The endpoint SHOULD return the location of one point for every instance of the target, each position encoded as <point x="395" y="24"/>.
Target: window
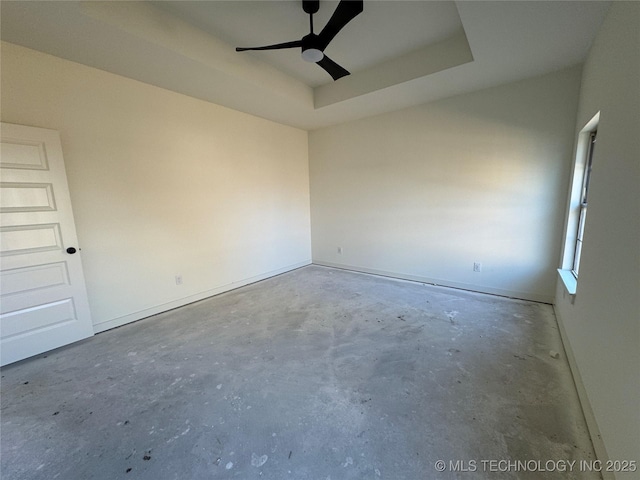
<point x="584" y="193"/>
<point x="577" y="210"/>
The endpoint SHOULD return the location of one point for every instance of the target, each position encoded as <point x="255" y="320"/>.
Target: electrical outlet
<point x="339" y="250"/>
<point x="178" y="279"/>
<point x="477" y="267"/>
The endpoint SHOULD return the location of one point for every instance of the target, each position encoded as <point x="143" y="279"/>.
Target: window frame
<point x="584" y="194"/>
<point x="576" y="212"/>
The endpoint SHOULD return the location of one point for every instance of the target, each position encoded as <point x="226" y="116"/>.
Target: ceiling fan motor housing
<point x="310" y="48"/>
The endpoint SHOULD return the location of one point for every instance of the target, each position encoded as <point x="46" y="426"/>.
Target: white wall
<point x="164" y="184"/>
<point x="602" y="326"/>
<point x="424" y="193"/>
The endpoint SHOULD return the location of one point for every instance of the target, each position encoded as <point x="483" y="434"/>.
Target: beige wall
<point x="424" y="193"/>
<point x="163" y="184"/>
<point x="602" y="325"/>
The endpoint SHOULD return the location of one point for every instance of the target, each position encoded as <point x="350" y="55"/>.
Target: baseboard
<point x="590" y="419"/>
<point x="443" y="283"/>
<point x="147" y="312"/>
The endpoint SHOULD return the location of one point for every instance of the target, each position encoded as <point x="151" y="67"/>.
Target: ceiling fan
<point x="313" y="45"/>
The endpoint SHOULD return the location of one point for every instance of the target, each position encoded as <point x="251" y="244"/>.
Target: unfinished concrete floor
<point x="315" y="374"/>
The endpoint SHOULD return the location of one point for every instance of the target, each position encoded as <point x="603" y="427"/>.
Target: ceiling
<point x="400" y="53"/>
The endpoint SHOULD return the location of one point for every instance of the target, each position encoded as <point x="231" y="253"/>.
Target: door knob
<point x="71" y="250"/>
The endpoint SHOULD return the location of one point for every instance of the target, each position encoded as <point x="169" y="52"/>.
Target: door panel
<point x="30" y="279"/>
<point x="22" y="153"/>
<point x="27" y="197"/>
<point x="25" y="239"/>
<point x="37" y="318"/>
<point x="42" y="292"/>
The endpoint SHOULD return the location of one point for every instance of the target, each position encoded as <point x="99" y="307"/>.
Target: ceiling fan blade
<point x="277" y="46"/>
<point x="332" y="68"/>
<point x="346" y="11"/>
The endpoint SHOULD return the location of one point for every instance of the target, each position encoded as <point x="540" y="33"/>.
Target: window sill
<point x="569" y="280"/>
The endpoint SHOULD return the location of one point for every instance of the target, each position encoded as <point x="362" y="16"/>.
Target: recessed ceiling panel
<point x="384" y="30"/>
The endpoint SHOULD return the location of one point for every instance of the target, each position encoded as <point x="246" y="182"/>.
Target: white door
<point x="43" y="300"/>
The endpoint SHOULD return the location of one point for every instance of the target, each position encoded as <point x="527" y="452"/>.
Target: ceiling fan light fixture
<point x="312" y="55"/>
